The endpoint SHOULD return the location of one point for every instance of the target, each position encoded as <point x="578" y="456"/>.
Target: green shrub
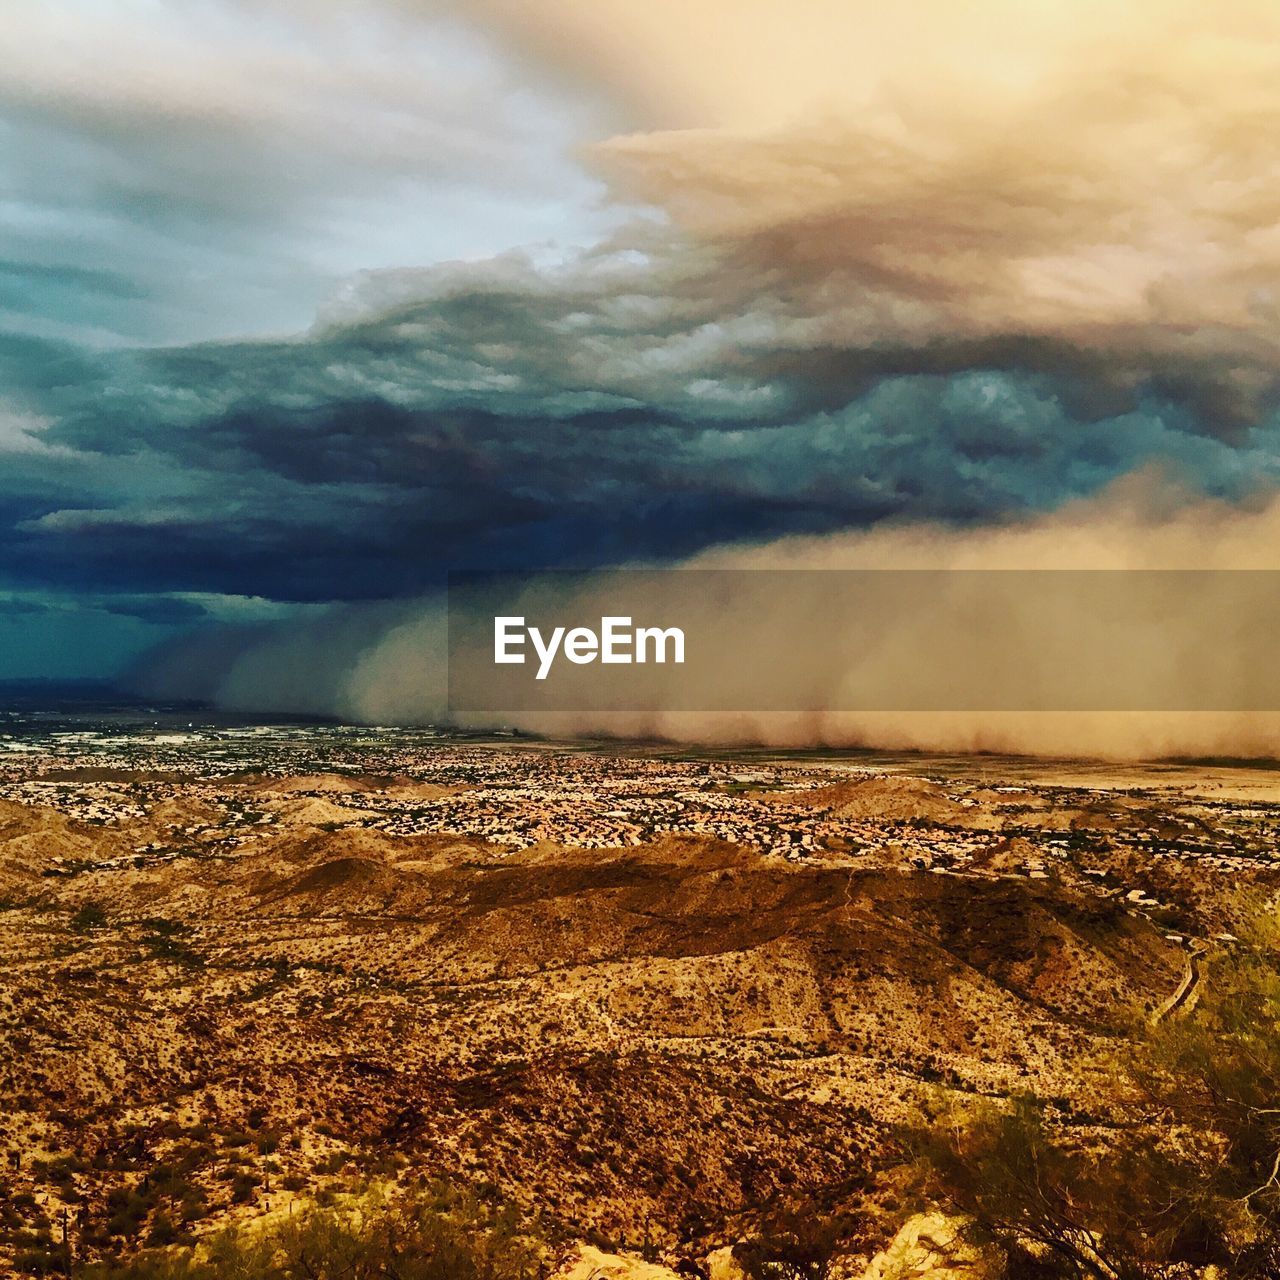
<point x="91" y="916"/>
<point x="433" y="1233"/>
<point x="796" y="1242"/>
<point x="1189" y="1177"/>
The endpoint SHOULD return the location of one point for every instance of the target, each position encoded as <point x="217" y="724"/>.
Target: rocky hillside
<point x="647" y="1043"/>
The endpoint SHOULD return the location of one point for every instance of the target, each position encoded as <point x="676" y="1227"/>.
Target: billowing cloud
<point x="1083" y="188"/>
<point x="626" y="404"/>
<point x="504" y="418"/>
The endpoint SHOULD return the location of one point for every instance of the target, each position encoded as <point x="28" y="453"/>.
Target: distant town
<point x="522" y="793"/>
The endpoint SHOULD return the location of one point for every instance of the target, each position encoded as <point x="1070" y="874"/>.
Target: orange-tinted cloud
<point x="1081" y="186"/>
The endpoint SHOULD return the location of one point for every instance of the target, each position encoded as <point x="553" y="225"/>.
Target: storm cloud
<point x="503" y="419"/>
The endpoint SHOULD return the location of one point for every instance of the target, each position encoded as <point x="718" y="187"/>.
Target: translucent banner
<point x="864" y="640"/>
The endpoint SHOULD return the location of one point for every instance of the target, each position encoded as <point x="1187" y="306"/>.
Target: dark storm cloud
<point x="163" y="611"/>
<point x="637" y="402"/>
<point x="19" y="608"/>
<point x="499" y="416"/>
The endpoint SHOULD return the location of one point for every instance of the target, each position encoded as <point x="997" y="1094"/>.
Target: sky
<point x="303" y="304"/>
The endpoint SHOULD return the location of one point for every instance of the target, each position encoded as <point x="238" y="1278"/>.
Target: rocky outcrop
<point x="929" y="1246"/>
<point x="590" y="1263"/>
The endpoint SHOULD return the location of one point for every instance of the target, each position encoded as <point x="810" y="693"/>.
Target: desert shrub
<point x="61" y="1171"/>
<point x="163" y="1231"/>
<point x="41" y="1260"/>
<point x="1054" y="1204"/>
<point x="90" y="916"/>
<point x="163" y="940"/>
<point x="435" y="1233"/>
<point x="127" y="1209"/>
<point x="243" y="1185"/>
<point x="1190" y="1177"/>
<point x="796" y="1242"/>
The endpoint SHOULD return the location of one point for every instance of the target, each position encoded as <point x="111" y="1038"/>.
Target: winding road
<point x="1185" y="995"/>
